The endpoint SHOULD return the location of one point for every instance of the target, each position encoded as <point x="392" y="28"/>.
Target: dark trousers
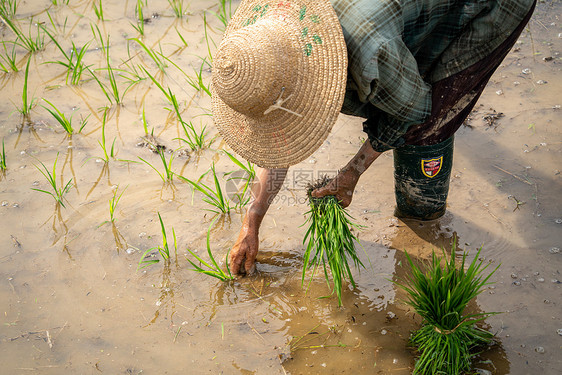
<point x="422" y="167"/>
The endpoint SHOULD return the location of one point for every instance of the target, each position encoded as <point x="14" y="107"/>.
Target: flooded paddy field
<point x="72" y="299"/>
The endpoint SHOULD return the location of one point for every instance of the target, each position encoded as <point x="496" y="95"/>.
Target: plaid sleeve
<point x="384" y="131"/>
<point x="383" y="70"/>
<point x="399" y="96"/>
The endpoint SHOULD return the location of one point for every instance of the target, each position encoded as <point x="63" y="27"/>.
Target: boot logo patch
<point x="431" y="167"/>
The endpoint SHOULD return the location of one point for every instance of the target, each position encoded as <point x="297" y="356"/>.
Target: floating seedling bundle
<point x="447" y="340"/>
<point x="329" y="240"/>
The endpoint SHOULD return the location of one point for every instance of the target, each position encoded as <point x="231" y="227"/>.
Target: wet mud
<point x="73" y="301"/>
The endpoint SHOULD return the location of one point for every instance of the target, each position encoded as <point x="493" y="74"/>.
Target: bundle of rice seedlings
<point x="448" y="340"/>
<point x="329" y="240"/>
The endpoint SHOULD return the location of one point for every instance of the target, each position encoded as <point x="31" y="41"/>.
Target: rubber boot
<point x="421" y="180"/>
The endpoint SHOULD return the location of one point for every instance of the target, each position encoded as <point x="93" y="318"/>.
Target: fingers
<point x="235" y="261"/>
<point x="343" y="196"/>
<point x="323" y="191"/>
<point x="243" y="265"/>
<point x="243" y="255"/>
<point x="344" y="202"/>
<point x="250" y="266"/>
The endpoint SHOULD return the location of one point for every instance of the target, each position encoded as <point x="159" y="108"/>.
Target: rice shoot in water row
<point x="329" y="240"/>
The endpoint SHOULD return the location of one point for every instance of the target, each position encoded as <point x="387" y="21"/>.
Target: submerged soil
<point x="74" y="302"/>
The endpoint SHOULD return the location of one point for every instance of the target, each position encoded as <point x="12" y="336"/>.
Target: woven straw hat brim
<point x="318" y="79"/>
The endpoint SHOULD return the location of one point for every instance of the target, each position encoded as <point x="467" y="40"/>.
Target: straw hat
<point x="279" y="79"/>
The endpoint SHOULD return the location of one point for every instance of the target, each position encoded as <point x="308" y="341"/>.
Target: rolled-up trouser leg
<point x="421" y="179"/>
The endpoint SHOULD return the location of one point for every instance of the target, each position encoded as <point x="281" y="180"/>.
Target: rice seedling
<point x="78" y="67"/>
<point x="215" y="197"/>
<point x="61" y="2"/>
<point x="3" y="165"/>
<point x="132" y="74"/>
<point x="68" y="62"/>
<point x="198" y="83"/>
<point x="223" y="14"/>
<point x="113" y="83"/>
<point x="30" y="43"/>
<point x="164" y="250"/>
<point x="329" y="236"/>
<point x="174" y="102"/>
<point x="175" y="65"/>
<point x="212" y="269"/>
<point x="102" y="143"/>
<point x="54" y="24"/>
<point x="61" y="118"/>
<point x="8" y="63"/>
<point x="8" y="8"/>
<point x="58" y="193"/>
<point x="154" y="56"/>
<point x="97" y="36"/>
<point x="112" y="92"/>
<point x="113" y="203"/>
<point x="181" y="38"/>
<point x="74" y="68"/>
<point x="83" y="122"/>
<point x="144" y="123"/>
<point x="103" y="88"/>
<point x="210" y="55"/>
<point x="447" y="339"/>
<point x="177" y="7"/>
<point x="247" y="176"/>
<point x="140" y="18"/>
<point x="168" y="175"/>
<point x="27" y="103"/>
<point x="193" y="138"/>
<point x="98" y="10"/>
<point x="168" y="94"/>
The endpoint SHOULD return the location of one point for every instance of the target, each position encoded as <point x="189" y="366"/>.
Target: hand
<point x="242" y="257"/>
<point x="342" y="186"/>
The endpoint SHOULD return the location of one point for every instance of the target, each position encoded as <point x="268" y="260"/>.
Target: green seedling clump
<point x="27" y="103"/>
<point x="215" y="197"/>
<point x="329" y="240"/>
<point x="164" y="250"/>
<point x="58" y="192"/>
<point x="447" y="340"/>
<point x="211" y="269"/>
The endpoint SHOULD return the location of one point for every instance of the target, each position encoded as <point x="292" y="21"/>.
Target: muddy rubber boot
<point x="421" y="180"/>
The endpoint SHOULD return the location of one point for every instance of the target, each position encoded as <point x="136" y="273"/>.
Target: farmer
<point x="413" y="69"/>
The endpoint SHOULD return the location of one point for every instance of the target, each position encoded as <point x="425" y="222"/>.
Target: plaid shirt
<point x="397" y="49"/>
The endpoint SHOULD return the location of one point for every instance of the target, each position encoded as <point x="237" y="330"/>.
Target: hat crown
<point x="251" y="67"/>
<point x="279" y="79"/>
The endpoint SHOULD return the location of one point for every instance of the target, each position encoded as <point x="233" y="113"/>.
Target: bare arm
<point x="244" y="252"/>
<point x="343" y="185"/>
<point x="269" y="181"/>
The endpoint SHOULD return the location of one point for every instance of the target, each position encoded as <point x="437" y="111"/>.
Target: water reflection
<point x="104" y="171"/>
<point x="120" y="241"/>
<point x="28" y="125"/>
<point x="58" y="224"/>
<point x="166" y="302"/>
<point x="68" y="162"/>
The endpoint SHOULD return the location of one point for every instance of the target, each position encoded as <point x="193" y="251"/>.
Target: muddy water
<point x="73" y="301"/>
